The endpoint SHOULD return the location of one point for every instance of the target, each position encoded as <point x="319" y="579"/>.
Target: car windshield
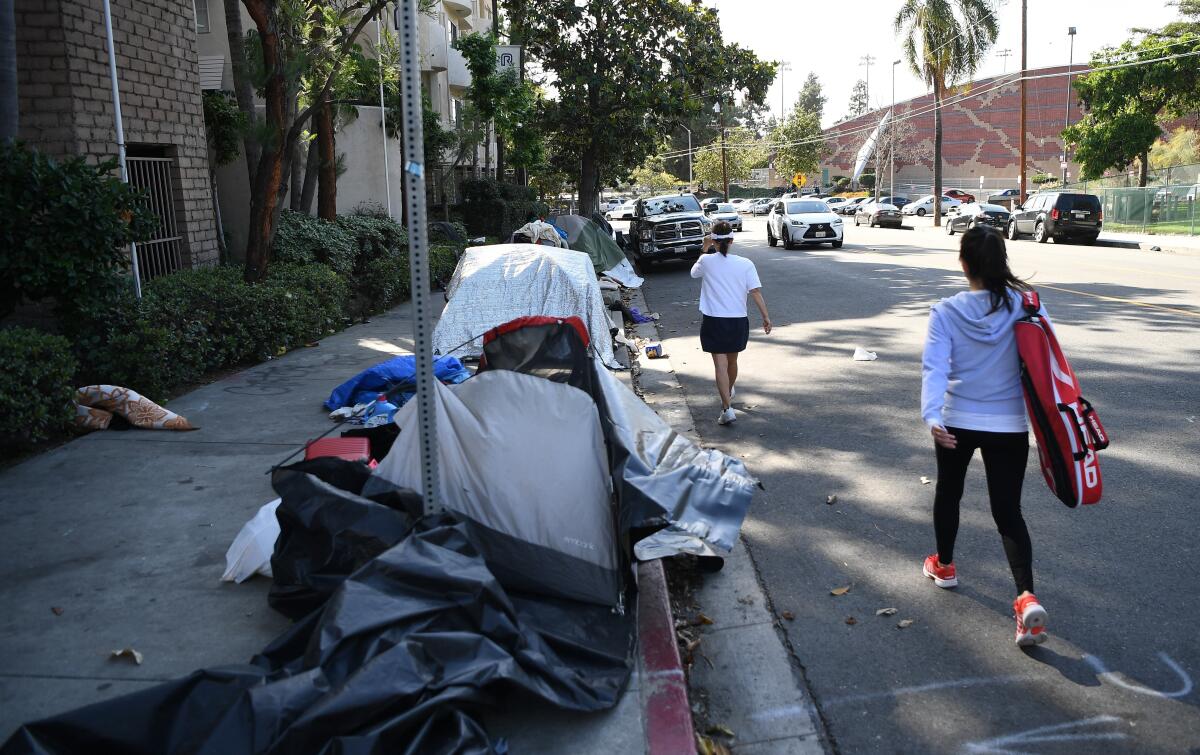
<point x="725" y="208"/>
<point x="1078" y="202"/>
<point x="883" y="206"/>
<point x="799" y="208"/>
<point x="663" y="205"/>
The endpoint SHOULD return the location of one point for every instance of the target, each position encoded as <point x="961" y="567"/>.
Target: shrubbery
<point x="497" y="209"/>
<point x="35" y="384"/>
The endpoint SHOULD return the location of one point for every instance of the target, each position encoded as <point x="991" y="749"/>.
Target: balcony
<point x="457" y="74"/>
<point x="464" y="7"/>
<point x="434" y="48"/>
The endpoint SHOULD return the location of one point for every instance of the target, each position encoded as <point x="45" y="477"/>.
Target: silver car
<point x="727" y="212"/>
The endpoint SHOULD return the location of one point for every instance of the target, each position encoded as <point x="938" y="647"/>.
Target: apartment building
<point x="372" y="162"/>
<point x="66" y="109"/>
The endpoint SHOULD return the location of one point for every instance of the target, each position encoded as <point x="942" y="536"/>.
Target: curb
<point x="668" y="714"/>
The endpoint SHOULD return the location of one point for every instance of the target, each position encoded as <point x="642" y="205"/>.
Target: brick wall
<point x="66" y="101"/>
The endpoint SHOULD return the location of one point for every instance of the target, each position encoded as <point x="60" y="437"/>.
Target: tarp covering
<point x="498" y="283"/>
<point x="396" y="661"/>
<point x="364" y="387"/>
<point x="523" y="460"/>
<point x="585" y="236"/>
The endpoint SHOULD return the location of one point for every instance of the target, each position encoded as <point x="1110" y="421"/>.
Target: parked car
<point x="738" y="202"/>
<point x="878" y="214"/>
<point x="1058" y="215"/>
<point x="624" y="212"/>
<point x="763" y="206"/>
<point x="974" y="214"/>
<point x="960" y="195"/>
<point x="728" y="212"/>
<point x="1010" y="194"/>
<point x="849" y="208"/>
<point x="611" y="203"/>
<point x="898" y="201"/>
<point x="803" y="221"/>
<point x="836" y="202"/>
<point x="924" y="205"/>
<point x="665" y="227"/>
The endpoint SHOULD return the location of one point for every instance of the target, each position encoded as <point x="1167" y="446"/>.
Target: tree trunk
<point x="937" y="155"/>
<point x="589" y="179"/>
<point x="268" y="181"/>
<point x="9" y="114"/>
<point x="327" y="185"/>
<point x="296" y="182"/>
<point x="312" y="167"/>
<point x="243" y="88"/>
<point x="1144" y="169"/>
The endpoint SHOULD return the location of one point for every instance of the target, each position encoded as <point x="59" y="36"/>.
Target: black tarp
<point x="398" y="660"/>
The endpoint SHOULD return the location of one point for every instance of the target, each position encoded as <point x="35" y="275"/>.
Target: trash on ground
<point x="862" y="355"/>
<point x="886" y="612"/>
<point x="392" y="375"/>
<point x="925" y="480"/>
<point x="56" y="610"/>
<point x="250" y="552"/>
<point x="840" y="590"/>
<point x="788" y="615"/>
<point x="654" y="351"/>
<point x="851" y="620"/>
<point x="905" y="623"/>
<point x="830" y="500"/>
<point x="720" y="730"/>
<point x="95" y="406"/>
<point x="706" y="746"/>
<point x="671" y="541"/>
<point x="639" y="318"/>
<point x="129" y="653"/>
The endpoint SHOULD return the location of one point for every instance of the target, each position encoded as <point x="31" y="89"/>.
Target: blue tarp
<point x="364" y="387"/>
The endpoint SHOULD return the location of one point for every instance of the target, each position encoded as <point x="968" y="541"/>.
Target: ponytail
<point x="723" y="228"/>
<point x="982" y="250"/>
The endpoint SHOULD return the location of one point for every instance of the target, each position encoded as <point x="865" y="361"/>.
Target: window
<point x="453" y="32"/>
<point x="201" y="7"/>
<point x="456" y="114"/>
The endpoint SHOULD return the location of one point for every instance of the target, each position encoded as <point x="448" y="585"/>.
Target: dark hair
<point x="982" y="249"/>
<point x="723" y="227"/>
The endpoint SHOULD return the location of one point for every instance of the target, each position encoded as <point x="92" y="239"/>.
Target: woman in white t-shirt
<point x="724" y="329"/>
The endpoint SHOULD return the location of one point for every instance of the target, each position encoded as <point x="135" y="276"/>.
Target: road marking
<point x="1054" y="733"/>
<point x="1135" y="302"/>
<point x="1103" y="672"/>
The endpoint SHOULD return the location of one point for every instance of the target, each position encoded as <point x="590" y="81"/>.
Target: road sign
<point x="800" y="180"/>
<point x="508" y="58"/>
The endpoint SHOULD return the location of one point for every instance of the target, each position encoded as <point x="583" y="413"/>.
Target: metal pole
<point x="724" y="157"/>
<point x="116" y="96"/>
<point x="387" y="180"/>
<point x="685" y="128"/>
<point x="892" y="149"/>
<point x="418" y="250"/>
<point x="1024" y="66"/>
<point x="1067" y="117"/>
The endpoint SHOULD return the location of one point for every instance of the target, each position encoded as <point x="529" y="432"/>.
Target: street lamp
<point x="1067" y="117"/>
<point x="782" y="108"/>
<point x="892" y="149"/>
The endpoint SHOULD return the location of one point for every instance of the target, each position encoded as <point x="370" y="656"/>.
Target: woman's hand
<point x="767" y="325"/>
<point x="943" y="438"/>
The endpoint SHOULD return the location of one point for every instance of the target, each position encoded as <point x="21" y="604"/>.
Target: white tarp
<point x="868" y="147"/>
<point x="495" y="284"/>
<point x="523" y="459"/>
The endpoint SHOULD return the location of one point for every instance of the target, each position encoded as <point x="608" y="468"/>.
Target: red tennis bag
<point x="1067" y="428"/>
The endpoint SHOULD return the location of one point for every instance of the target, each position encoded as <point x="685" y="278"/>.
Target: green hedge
<point x="35" y="385"/>
<point x="497" y="209"/>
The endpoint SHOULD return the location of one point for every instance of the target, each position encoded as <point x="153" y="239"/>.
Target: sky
<point x="829" y="38"/>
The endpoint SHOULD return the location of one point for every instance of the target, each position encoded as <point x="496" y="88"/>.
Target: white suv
<point x="803" y="221"/>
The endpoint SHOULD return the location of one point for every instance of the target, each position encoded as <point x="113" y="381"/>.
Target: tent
<point x="495" y="284"/>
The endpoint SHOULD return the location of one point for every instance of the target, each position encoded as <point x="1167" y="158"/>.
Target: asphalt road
<point x="1119" y="579"/>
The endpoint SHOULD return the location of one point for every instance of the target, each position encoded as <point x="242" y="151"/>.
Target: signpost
<point x="508" y="58"/>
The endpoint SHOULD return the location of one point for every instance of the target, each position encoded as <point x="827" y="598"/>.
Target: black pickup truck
<point x="667" y="227"/>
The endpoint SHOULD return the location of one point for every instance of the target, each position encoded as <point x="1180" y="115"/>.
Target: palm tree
<point x="944" y="42"/>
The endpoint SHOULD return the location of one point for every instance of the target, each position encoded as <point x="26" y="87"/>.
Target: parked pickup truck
<point x="667" y="227"/>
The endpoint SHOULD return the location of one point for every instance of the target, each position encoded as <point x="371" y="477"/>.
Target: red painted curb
<point x="668" y="715"/>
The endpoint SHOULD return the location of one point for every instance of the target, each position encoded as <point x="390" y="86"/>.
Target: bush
<point x="497" y="209"/>
<point x="36" y="369"/>
<point x="384" y="282"/>
<point x="304" y="303"/>
<point x="303" y="240"/>
<point x="374" y="237"/>
<point x="64" y="227"/>
<point x="442" y="261"/>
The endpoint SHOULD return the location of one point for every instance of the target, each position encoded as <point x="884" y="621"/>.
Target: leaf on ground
<point x="720" y="730"/>
<point x="56" y="610"/>
<point x="905" y="623"/>
<point x="832" y="499"/>
<point x="702" y="619"/>
<point x="840" y="590"/>
<point x="925" y="480"/>
<point x="886" y="612"/>
<point x="314" y="344"/>
<point x="788" y="615"/>
<point x="130" y="653"/>
<point x="851" y="620"/>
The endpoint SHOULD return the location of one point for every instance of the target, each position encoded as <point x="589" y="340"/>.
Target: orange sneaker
<point x="942" y="576"/>
<point x="1031" y="621"/>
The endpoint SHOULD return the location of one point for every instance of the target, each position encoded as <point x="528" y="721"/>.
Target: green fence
<point x="1167" y="204"/>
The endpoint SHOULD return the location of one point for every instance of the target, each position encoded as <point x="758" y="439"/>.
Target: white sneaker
<point x="727" y="416"/>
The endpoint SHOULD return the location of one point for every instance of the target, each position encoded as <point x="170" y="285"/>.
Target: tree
<point x="625" y="74"/>
<point x="799" y="144"/>
<point x="811" y="99"/>
<point x="743" y="153"/>
<point x="1182" y="147"/>
<point x="858" y="100"/>
<point x="944" y="42"/>
<point x="1123" y="106"/>
<point x="503" y="97"/>
<point x="653" y="175"/>
<point x="899" y="144"/>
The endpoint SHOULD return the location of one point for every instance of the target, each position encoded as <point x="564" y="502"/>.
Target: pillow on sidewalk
<point x="95" y="405"/>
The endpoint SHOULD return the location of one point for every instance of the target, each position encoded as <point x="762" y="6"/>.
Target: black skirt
<point x="724" y="335"/>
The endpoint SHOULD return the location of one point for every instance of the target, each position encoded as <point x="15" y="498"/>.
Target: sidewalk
<point x="118" y="539"/>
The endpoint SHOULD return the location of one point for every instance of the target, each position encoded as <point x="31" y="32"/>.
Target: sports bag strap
<point x="1031" y="301"/>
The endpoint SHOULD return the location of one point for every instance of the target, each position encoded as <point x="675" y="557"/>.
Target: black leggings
<point x="1004" y="459"/>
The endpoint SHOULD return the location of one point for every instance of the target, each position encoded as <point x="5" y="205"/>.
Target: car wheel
<point x="1012" y="230"/>
<point x="771" y="240"/>
<point x="787" y="240"/>
<point x="1089" y="240"/>
<point x="1039" y="233"/>
<point x="837" y="244"/>
<point x="921" y="212"/>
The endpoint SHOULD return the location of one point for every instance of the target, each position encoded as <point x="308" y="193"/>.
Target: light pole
<point x="1067" y="117"/>
<point x="685" y="128"/>
<point x="867" y="61"/>
<point x="782" y="108"/>
<point x="720" y="108"/>
<point x="892" y="128"/>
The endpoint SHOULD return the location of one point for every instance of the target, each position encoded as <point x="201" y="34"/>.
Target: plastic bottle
<point x="381" y="413"/>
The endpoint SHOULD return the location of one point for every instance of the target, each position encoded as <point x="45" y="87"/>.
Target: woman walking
<point x="971" y="398"/>
<point x="726" y="279"/>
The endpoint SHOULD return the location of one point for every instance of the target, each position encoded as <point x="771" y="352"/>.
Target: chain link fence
<point x="1167" y="204"/>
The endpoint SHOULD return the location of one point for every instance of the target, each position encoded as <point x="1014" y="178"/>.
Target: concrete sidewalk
<point x="118" y="540"/>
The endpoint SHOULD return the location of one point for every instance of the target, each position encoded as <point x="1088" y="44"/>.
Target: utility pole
<point x="867" y="60"/>
<point x="500" y="168"/>
<point x="1004" y="55"/>
<point x="685" y="128"/>
<point x="1024" y="64"/>
<point x="1067" y="117"/>
<point x="782" y="107"/>
<point x="724" y="156"/>
<point x="892" y="129"/>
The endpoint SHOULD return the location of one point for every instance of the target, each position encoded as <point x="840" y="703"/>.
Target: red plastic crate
<point x="350" y="449"/>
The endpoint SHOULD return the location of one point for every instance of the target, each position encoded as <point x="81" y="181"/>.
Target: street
<point x="1117" y="578"/>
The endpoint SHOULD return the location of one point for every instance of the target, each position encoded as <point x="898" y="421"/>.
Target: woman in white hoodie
<point x="971" y="397"/>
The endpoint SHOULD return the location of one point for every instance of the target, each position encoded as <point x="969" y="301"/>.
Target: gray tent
<point x="583" y="235"/>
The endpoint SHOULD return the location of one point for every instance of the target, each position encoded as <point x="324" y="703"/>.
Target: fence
<point x="159" y="254"/>
<point x="1167" y="204"/>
